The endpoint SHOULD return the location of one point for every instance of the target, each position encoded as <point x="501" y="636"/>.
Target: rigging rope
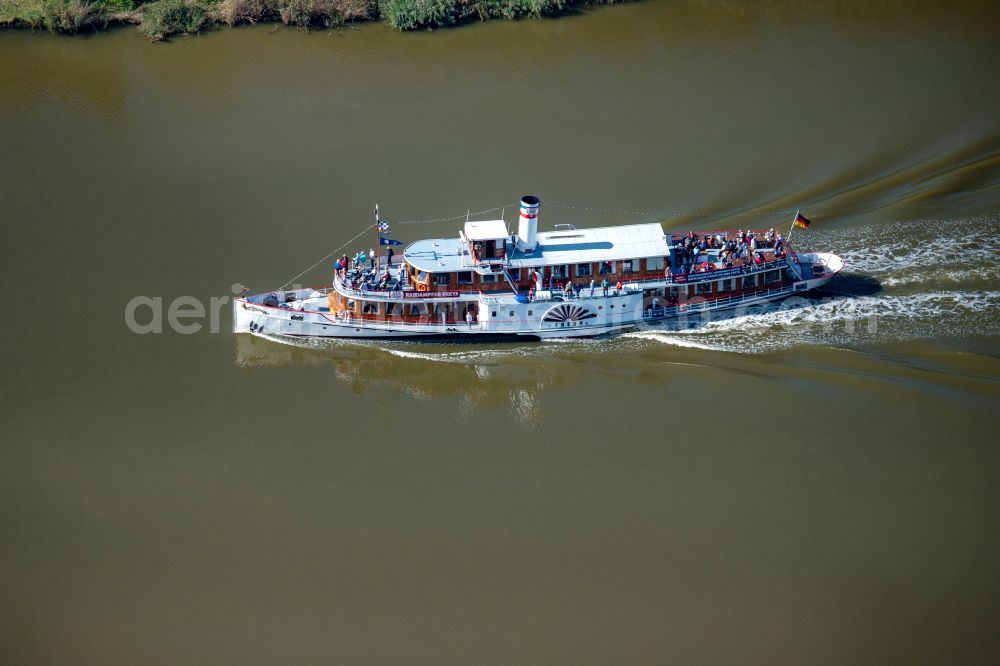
<point x="448" y="219"/>
<point x="361" y="233"/>
<point x="661" y="213"/>
<point x="372" y="226"/>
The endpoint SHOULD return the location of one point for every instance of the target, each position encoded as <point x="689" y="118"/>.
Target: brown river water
<point x="813" y="483"/>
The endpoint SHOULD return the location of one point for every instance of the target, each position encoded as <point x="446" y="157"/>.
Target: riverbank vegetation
<point x="158" y="19"/>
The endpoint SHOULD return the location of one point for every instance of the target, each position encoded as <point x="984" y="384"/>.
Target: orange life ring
<point x="421" y="286"/>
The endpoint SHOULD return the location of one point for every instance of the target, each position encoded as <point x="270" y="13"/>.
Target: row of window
<point x="411" y="309"/>
<point x="747" y="282"/>
<point x="461" y="277"/>
<point x="559" y="272"/>
<point x="605" y="267"/>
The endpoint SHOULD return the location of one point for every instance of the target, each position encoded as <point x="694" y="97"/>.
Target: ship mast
<point x="378" y="241"/>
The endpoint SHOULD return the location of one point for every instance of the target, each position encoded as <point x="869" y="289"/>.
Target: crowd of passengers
<point x="361" y="272"/>
<point x="692" y="251"/>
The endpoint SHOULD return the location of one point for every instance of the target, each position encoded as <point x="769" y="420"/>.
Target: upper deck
<point x="555" y="248"/>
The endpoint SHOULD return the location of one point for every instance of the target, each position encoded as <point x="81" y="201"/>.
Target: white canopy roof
<point x="486" y="230"/>
<point x="574" y="246"/>
<point x="590" y="245"/>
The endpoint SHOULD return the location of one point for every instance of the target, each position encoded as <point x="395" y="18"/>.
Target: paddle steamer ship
<point x="487" y="283"/>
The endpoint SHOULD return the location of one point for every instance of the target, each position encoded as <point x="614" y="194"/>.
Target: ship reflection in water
<point x="515" y="376"/>
<point x="488" y="377"/>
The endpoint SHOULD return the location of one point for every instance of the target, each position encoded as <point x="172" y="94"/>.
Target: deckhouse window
<point x="749" y="282"/>
<point x="488" y="278"/>
<point x="628" y="266"/>
<point x="464" y="277"/>
<point x="704" y="287"/>
<point x="654" y="263"/>
<point x="583" y="270"/>
<point x="560" y="271"/>
<point x="771" y="277"/>
<point x="725" y="286"/>
<point x="441" y="279"/>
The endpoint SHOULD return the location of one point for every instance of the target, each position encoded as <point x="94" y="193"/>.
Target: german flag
<point x="802" y="221"/>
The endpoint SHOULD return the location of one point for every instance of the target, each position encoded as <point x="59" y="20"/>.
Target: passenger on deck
<point x="371" y="257"/>
<point x="618" y="288"/>
<point x="591" y="287"/>
<point x="604" y="285"/>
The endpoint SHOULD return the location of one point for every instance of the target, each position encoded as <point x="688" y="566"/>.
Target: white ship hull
<point x="504" y="316"/>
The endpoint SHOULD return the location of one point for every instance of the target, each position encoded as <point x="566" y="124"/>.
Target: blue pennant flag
<point x="382" y="240"/>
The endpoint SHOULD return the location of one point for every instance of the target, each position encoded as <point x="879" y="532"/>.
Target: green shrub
<point x="511" y="9"/>
<point x="66" y="15"/>
<point x="410" y="14"/>
<point x="170" y="17"/>
<point x="115" y="6"/>
<point x="303" y="13"/>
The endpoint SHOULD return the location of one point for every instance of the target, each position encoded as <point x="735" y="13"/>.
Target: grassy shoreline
<point x="159" y="19"/>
